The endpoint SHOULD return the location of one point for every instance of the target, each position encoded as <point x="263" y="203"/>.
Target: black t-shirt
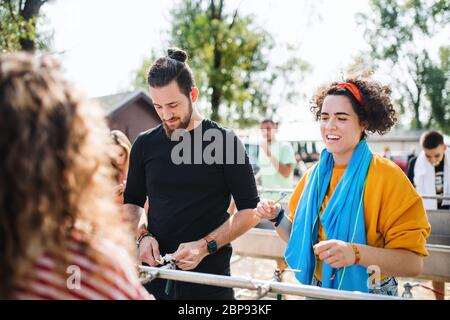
<point x="439" y="183"/>
<point x="189" y="200"/>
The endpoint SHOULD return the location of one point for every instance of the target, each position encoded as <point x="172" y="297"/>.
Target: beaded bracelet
<point x="357" y="253"/>
<point x="142" y="236"/>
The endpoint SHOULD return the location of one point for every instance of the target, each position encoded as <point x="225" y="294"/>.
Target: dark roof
<point x="112" y="103"/>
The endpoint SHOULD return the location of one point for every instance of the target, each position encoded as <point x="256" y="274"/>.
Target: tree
<point x="400" y="35"/>
<point x="139" y="76"/>
<point x="229" y="54"/>
<point x="437" y="88"/>
<point x="18" y="24"/>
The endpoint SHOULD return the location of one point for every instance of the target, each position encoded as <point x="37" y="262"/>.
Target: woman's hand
<point x="336" y="253"/>
<point x="266" y="209"/>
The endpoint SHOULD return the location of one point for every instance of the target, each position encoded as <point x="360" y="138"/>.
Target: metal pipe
<point x="148" y="276"/>
<point x="290" y="190"/>
<point x="261" y="285"/>
<point x="287" y="190"/>
<point x="429" y="196"/>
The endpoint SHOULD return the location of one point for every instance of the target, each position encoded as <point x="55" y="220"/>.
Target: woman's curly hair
<point x="376" y="108"/>
<point x="55" y="173"/>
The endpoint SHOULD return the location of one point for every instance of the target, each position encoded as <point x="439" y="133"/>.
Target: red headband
<point x="353" y="89"/>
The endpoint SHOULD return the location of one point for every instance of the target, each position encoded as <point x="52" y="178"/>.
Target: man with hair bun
<point x="188" y="187"/>
<point x="354" y="212"/>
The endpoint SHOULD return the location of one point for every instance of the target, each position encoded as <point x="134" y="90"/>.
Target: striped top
<point x="85" y="279"/>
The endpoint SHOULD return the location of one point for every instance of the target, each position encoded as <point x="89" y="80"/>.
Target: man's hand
<point x="190" y="254"/>
<point x="149" y="251"/>
<point x="336" y="253"/>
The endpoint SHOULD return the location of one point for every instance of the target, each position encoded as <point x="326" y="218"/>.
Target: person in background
<point x="300" y="168"/>
<point x="430" y="174"/>
<point x="353" y="210"/>
<point x="411" y="154"/>
<point x="430" y="170"/>
<point x="120" y="154"/>
<point x="120" y="158"/>
<point x="60" y="230"/>
<point x="387" y="153"/>
<point x="276" y="160"/>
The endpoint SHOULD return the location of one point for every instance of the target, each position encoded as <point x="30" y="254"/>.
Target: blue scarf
<point x="342" y="219"/>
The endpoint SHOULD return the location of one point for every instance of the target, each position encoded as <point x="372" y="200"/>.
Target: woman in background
<point x="121" y="147"/>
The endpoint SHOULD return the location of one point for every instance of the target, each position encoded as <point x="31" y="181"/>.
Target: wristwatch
<point x="278" y="218"/>
<point x="211" y="244"/>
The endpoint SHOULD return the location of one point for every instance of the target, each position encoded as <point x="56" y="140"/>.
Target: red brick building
<point x="131" y="112"/>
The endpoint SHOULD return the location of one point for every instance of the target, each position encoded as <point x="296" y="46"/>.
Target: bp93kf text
<point x="245" y="309"/>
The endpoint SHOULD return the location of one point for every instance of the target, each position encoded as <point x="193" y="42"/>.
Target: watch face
<point x="212" y="246"/>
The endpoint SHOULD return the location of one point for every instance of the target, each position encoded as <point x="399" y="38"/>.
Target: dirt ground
<point x="263" y="269"/>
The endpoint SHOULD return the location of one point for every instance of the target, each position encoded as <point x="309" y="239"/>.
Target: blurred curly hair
<point x="376" y="109"/>
<point x="55" y="174"/>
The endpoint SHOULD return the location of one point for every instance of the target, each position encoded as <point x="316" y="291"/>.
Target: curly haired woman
<point x="354" y="212"/>
<point x="59" y="227"/>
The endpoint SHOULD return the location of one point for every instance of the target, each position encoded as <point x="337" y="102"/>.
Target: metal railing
<point x="261" y="286"/>
<point x="290" y="190"/>
<point x="428" y="196"/>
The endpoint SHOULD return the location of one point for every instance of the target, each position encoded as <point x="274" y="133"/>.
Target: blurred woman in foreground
<point x="61" y="236"/>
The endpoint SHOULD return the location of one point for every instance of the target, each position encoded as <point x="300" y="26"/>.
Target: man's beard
<point x="184" y="122"/>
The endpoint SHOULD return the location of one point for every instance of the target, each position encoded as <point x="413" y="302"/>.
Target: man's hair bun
<point x="177" y="54"/>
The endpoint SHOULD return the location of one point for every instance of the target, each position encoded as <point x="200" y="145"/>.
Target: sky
<point x="101" y="42"/>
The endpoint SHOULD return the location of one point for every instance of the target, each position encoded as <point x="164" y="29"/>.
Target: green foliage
<point x="15" y="28"/>
<point x="230" y="57"/>
<point x="399" y="33"/>
<point x="229" y="54"/>
<point x="139" y="76"/>
<point x="437" y="88"/>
